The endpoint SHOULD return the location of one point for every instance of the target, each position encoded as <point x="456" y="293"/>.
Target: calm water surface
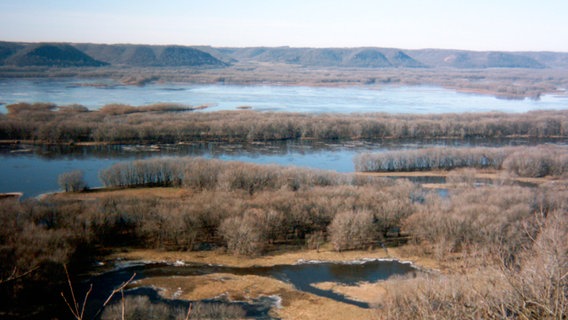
<point x="34" y="170"/>
<point x="417" y="99"/>
<point x="302" y="276"/>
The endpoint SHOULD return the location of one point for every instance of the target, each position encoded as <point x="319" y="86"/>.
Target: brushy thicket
<point x="534" y="286"/>
<point x="288" y="203"/>
<point x="48" y="123"/>
<point x="140" y="307"/>
<point x="516" y="236"/>
<point x="229" y="207"/>
<point x="205" y="174"/>
<point x="538" y="161"/>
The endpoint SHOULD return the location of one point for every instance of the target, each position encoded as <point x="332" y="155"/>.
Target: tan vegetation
<point x="535" y="287"/>
<point x="371" y="293"/>
<point x="72" y="181"/>
<point x="48" y="123"/>
<point x="534" y="162"/>
<point x="140" y="307"/>
<point x="294" y="303"/>
<point x="505" y="83"/>
<point x="515" y="236"/>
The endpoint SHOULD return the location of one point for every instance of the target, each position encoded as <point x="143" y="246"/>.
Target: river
<point x="389" y="99"/>
<point x="33" y="170"/>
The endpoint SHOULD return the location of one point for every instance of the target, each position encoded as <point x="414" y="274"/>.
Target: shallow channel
<point x="302" y="276"/>
<point x="34" y="170"/>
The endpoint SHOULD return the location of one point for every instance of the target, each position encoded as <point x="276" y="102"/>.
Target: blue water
<point x="302" y="276"/>
<point x="389" y="99"/>
<point x="36" y="171"/>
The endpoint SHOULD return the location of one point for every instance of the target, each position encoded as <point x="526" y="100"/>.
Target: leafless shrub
<point x="352" y="230"/>
<point x="539" y="283"/>
<point x="140" y="307"/>
<point x="462" y="177"/>
<point x="244" y="235"/>
<point x="535" y="161"/>
<point x="151" y="172"/>
<point x="438" y="158"/>
<point x="474" y="296"/>
<point x="217" y="311"/>
<point x="72" y="181"/>
<point x="315" y="240"/>
<point x="535" y="287"/>
<point x="488" y="217"/>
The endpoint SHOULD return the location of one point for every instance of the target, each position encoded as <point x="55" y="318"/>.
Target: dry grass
<point x="295" y="304"/>
<point x="234" y="287"/>
<point x="371" y="293"/>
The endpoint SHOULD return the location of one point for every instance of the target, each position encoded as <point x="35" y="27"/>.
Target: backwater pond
<point x="302" y="276"/>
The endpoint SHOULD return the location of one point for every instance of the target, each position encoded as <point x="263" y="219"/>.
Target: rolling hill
<point x="52" y="55"/>
<point x="131" y="55"/>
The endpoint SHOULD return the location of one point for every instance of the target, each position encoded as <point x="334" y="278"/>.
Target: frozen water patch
<point x="179" y="263"/>
<point x="352" y="262"/>
<point x="177" y="294"/>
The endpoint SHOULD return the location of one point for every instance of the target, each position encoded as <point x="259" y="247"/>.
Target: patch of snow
<point x="177" y="294"/>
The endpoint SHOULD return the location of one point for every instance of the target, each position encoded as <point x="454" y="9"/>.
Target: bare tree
<point x="352" y="230"/>
<point x="72" y="181"/>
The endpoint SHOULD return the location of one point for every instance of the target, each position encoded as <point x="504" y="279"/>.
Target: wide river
<point x="390" y="99"/>
<point x="34" y="170"/>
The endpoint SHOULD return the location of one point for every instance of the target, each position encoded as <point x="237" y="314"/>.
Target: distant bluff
<point x="95" y="55"/>
<point x="397" y="58"/>
<point x="51" y="55"/>
<point x="151" y="56"/>
<point x="327" y="57"/>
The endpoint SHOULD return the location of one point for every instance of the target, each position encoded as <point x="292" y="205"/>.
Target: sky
<point x="504" y="25"/>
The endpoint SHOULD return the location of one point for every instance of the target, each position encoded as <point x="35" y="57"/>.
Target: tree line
<point x="170" y="123"/>
<point x="537" y="161"/>
<point x="512" y="240"/>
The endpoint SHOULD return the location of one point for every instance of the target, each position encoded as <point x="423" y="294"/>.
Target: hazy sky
<point x="408" y="24"/>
